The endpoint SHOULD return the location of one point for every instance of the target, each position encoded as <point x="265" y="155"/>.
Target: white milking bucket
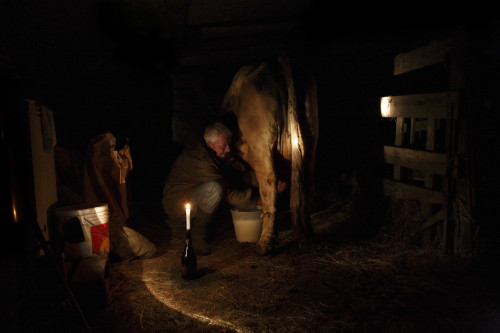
<point x="92" y="238"/>
<point x="247" y="225"/>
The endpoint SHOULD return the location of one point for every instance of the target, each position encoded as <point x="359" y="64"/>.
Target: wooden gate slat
<point x="432" y="105"/>
<point x="400" y="190"/>
<point x="416" y="159"/>
<point x="433" y="53"/>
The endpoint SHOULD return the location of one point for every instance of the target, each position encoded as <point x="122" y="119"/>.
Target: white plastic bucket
<point x="247" y="225"/>
<point x="94" y="222"/>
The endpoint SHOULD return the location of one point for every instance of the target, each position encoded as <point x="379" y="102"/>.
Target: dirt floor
<point x="342" y="284"/>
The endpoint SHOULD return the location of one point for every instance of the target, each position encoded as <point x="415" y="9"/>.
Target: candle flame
<point x="188" y="206"/>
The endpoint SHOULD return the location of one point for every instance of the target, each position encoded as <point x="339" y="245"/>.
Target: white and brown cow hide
<point x="276" y="111"/>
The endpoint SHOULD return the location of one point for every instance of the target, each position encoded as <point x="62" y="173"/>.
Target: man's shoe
<point x="199" y="233"/>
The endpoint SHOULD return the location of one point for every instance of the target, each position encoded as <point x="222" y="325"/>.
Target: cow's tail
<point x="299" y="202"/>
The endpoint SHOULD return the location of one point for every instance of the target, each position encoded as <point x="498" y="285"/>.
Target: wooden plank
<point x="400" y="190"/>
<point x="219" y="12"/>
<point x="400" y="133"/>
<point x="432" y="105"/>
<point x="420" y="125"/>
<point x="430" y="145"/>
<point x="438" y="217"/>
<point x="398" y="141"/>
<point x="43" y="163"/>
<point x="416" y="159"/>
<point x="433" y="53"/>
<point x="412" y="131"/>
<point x="431" y="129"/>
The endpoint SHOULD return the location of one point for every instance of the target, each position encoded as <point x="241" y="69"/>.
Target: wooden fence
<point x="428" y="140"/>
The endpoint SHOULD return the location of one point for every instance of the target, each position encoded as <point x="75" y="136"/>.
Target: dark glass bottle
<point x="188" y="259"/>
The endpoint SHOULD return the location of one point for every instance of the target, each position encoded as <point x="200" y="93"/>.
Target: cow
<point x="275" y="107"/>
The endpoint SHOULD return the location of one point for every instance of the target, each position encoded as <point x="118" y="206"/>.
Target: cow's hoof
<point x="264" y="248"/>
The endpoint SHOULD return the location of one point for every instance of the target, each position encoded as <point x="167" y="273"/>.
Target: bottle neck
<point x="188" y="234"/>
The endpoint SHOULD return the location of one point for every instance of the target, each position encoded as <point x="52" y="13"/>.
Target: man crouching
<point x="205" y="176"/>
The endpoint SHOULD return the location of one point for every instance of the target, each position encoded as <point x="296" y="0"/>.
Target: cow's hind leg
<point x="267" y="188"/>
<point x="267" y="240"/>
<point x="266" y="177"/>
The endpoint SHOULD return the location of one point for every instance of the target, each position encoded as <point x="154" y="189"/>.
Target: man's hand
<point x="281" y="186"/>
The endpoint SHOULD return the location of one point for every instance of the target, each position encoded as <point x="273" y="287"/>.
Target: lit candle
<point x="188" y="216"/>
